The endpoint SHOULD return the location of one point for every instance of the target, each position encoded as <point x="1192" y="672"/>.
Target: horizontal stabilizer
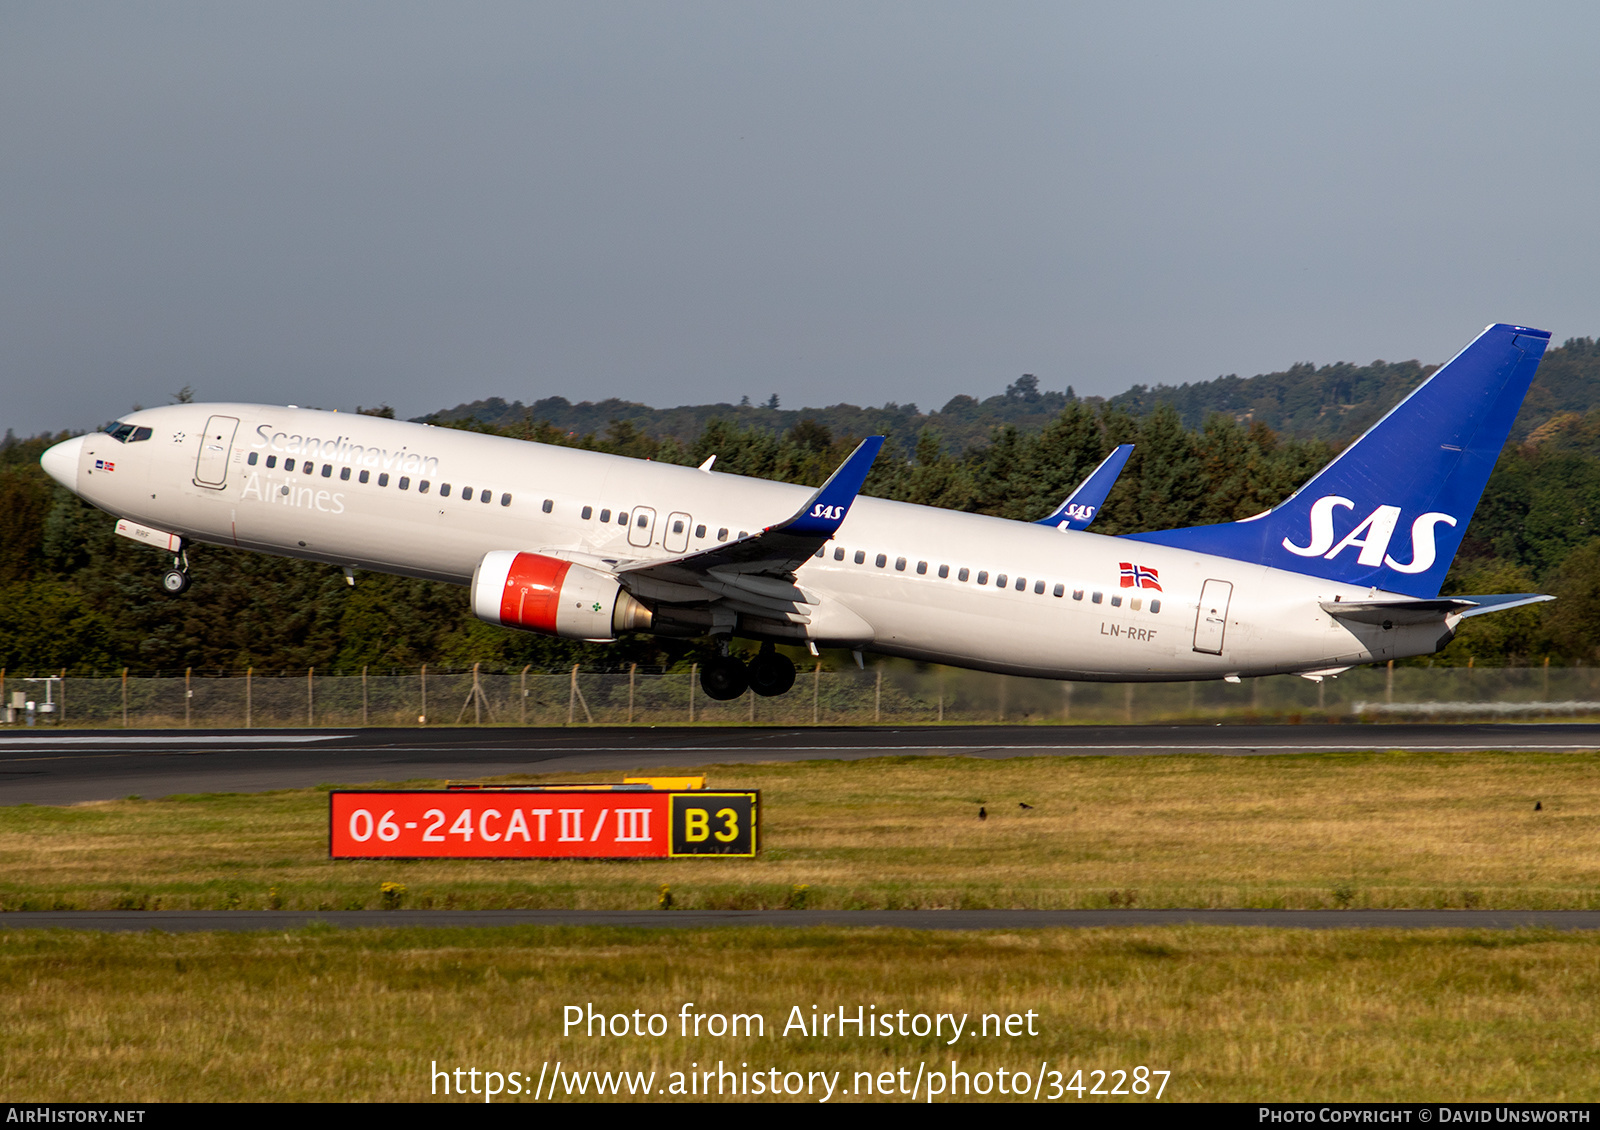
<point x="1084" y="503"/>
<point x="1502" y="601"/>
<point x="1391" y="612"/>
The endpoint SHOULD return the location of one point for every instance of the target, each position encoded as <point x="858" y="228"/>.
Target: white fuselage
<point x="236" y="491"/>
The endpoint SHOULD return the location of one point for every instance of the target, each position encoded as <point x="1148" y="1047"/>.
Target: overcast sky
<point x="420" y="204"/>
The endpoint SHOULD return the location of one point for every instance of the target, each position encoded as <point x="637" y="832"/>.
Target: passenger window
<point x="861" y="557"/>
<point x="1095" y="598"/>
<point x="549" y="505"/>
<point x="677" y="527"/>
<point x="405" y="482"/>
<point x="722" y="534"/>
<point x="699" y="531"/>
<point x="1059" y="590"/>
<point x="1155" y="606"/>
<point x="1000" y="581"/>
<point x="383" y="478"/>
<point x="365" y="476"/>
<point x="1022" y="583"/>
<point x="1116" y="601"/>
<point x="922" y="568"/>
<point x="838" y="554"/>
<point x="743" y="534"/>
<point x="944" y="571"/>
<point x="288" y="464"/>
<point x="253" y="457"/>
<point x="307" y="467"/>
<point x="1038" y="587"/>
<point x="881" y="561"/>
<point x="899" y="564"/>
<point x="505" y="500"/>
<point x="983" y="576"/>
<point x="961" y="576"/>
<point x="422" y="486"/>
<point x="466" y="494"/>
<point x="820" y="551"/>
<point x="1077" y="594"/>
<point x="444" y="489"/>
<point x="605" y="515"/>
<point x="622" y="517"/>
<point x="485" y="496"/>
<point x="272" y="461"/>
<point x="642" y="521"/>
<point x="344" y="474"/>
<point x="1134" y="603"/>
<point x="584" y="514"/>
<point x="327" y="470"/>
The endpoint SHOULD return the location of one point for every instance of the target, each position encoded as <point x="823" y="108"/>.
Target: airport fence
<point x="888" y="694"/>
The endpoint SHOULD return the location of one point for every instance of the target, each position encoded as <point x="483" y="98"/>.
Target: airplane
<point x="586" y="546"/>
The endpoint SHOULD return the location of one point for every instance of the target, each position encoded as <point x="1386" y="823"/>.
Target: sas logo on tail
<point x="832" y="513"/>
<point x="1371" y="537"/>
<point x="1139" y="576"/>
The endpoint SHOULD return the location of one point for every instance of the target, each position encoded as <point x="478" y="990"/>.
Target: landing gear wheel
<point x="771" y="674"/>
<point x="174" y="581"/>
<point x="724" y="678"/>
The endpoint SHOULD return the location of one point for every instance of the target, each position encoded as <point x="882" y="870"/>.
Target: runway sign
<point x="535" y="824"/>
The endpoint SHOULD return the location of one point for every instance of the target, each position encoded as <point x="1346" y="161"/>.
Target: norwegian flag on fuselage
<point x="1139" y="577"/>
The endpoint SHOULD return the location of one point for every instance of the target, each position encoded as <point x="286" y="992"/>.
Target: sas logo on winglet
<point x="832" y="513"/>
<point x="1371" y="536"/>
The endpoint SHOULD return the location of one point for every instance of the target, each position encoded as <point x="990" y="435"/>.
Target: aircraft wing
<point x="1084" y="503"/>
<point x="755" y="574"/>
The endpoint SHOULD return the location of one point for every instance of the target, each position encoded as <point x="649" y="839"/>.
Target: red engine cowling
<point x="558" y="598"/>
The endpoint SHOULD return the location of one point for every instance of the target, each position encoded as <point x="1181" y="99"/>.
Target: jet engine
<point x="558" y="598"/>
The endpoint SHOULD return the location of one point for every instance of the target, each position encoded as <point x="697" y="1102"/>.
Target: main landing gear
<point x="768" y="674"/>
<point x="176" y="579"/>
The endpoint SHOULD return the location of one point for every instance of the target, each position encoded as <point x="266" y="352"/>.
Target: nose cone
<point x="61" y="462"/>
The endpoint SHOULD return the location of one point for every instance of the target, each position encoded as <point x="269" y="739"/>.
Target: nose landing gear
<point x="176" y="579"/>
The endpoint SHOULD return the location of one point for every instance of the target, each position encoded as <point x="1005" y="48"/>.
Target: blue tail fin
<point x="1391" y="510"/>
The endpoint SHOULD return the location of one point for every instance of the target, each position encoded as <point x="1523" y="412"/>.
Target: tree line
<point x="74" y="595"/>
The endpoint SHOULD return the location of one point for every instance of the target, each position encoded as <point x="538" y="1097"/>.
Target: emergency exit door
<point x="1211" y="620"/>
<point x="211" y="468"/>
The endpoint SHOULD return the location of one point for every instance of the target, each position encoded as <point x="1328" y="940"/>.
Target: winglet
<point x="1084" y="503"/>
<point x="825" y="511"/>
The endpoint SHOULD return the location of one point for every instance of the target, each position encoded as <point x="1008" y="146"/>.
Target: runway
<point x="74" y="766"/>
<point x="186" y="921"/>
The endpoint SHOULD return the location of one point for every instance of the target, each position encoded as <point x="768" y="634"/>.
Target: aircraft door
<point x="1211" y="619"/>
<point x="641" y="526"/>
<point x="676" y="537"/>
<point x="211" y="469"/>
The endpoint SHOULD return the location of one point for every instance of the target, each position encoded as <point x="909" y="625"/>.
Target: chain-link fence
<point x="890" y="694"/>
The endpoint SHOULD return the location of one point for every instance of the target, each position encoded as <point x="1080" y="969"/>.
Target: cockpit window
<point x="127" y="433"/>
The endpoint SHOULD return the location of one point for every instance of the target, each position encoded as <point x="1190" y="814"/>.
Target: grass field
<point x="1233" y="1014"/>
<point x="1327" y="830"/>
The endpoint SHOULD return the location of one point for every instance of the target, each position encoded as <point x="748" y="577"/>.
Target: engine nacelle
<point x="545" y="594"/>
